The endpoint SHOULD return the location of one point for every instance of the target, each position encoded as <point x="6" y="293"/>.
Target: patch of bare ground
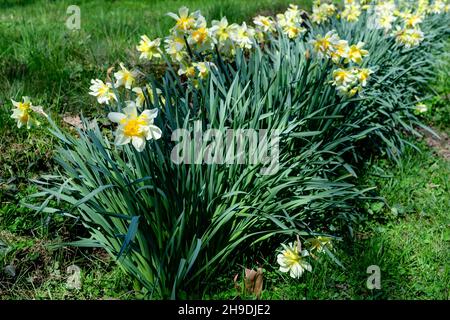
<point x="440" y="145"/>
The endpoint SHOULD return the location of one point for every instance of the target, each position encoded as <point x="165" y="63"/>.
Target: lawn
<point x="406" y="232"/>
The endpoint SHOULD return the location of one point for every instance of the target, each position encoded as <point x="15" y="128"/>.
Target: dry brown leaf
<point x="74" y="121"/>
<point x="254" y="281"/>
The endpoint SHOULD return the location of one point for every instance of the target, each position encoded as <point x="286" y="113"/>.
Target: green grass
<point x="410" y="243"/>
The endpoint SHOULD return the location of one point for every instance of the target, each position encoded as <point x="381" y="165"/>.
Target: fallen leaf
<point x="74" y="121"/>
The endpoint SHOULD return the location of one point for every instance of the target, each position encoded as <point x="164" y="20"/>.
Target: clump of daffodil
<point x="420" y="108"/>
<point x="350" y="81"/>
<point x="125" y="77"/>
<point x="291" y="22"/>
<point x="437" y="7"/>
<point x="408" y="37"/>
<point x="325" y="45"/>
<point x="322" y="12"/>
<point x="140" y="96"/>
<point x="351" y="12"/>
<point x="293" y="260"/>
<point x="384" y="16"/>
<point x="356" y="53"/>
<point x="135" y="128"/>
<point x="149" y="49"/>
<point x="102" y="91"/>
<point x="24" y="113"/>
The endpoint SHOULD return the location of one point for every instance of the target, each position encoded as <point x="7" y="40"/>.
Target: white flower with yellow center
<point x="187" y="70"/>
<point x="363" y="75"/>
<point x="293" y="261"/>
<point x="176" y="47"/>
<point x="102" y="91"/>
<point x="293" y="31"/>
<point x="411" y="20"/>
<point x="351" y="12"/>
<point x="325" y="45"/>
<point x="220" y="30"/>
<point x="265" y="24"/>
<point x="356" y="53"/>
<point x="125" y="77"/>
<point x="343" y="77"/>
<point x="149" y="49"/>
<point x="184" y="20"/>
<point x="243" y="36"/>
<point x="340" y="51"/>
<point x="203" y="68"/>
<point x="437" y="7"/>
<point x="408" y="37"/>
<point x="23" y="113"/>
<point x="135" y="128"/>
<point x="322" y="13"/>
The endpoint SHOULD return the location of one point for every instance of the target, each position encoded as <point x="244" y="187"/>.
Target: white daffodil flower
<point x="293" y="261"/>
<point x="135" y="128"/>
<point x="102" y="91"/>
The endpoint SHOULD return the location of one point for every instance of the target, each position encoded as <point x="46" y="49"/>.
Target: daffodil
<point x="343" y="77"/>
<point x="243" y="36"/>
<point x="135" y="128"/>
<point x="324" y="45"/>
<point x="187" y="70"/>
<point x="437" y="7"/>
<point x="351" y="12"/>
<point x="220" y="30"/>
<point x="23" y="113"/>
<point x="322" y="13"/>
<point x="176" y="47"/>
<point x="420" y="108"/>
<point x="102" y="91"/>
<point x="319" y="244"/>
<point x="356" y="53"/>
<point x="293" y="261"/>
<point x="363" y="75"/>
<point x="265" y="24"/>
<point x="140" y="96"/>
<point x="184" y="20"/>
<point x="340" y="51"/>
<point x="411" y="20"/>
<point x="408" y="37"/>
<point x="125" y="77"/>
<point x="203" y="68"/>
<point x="149" y="49"/>
<point x="200" y="35"/>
